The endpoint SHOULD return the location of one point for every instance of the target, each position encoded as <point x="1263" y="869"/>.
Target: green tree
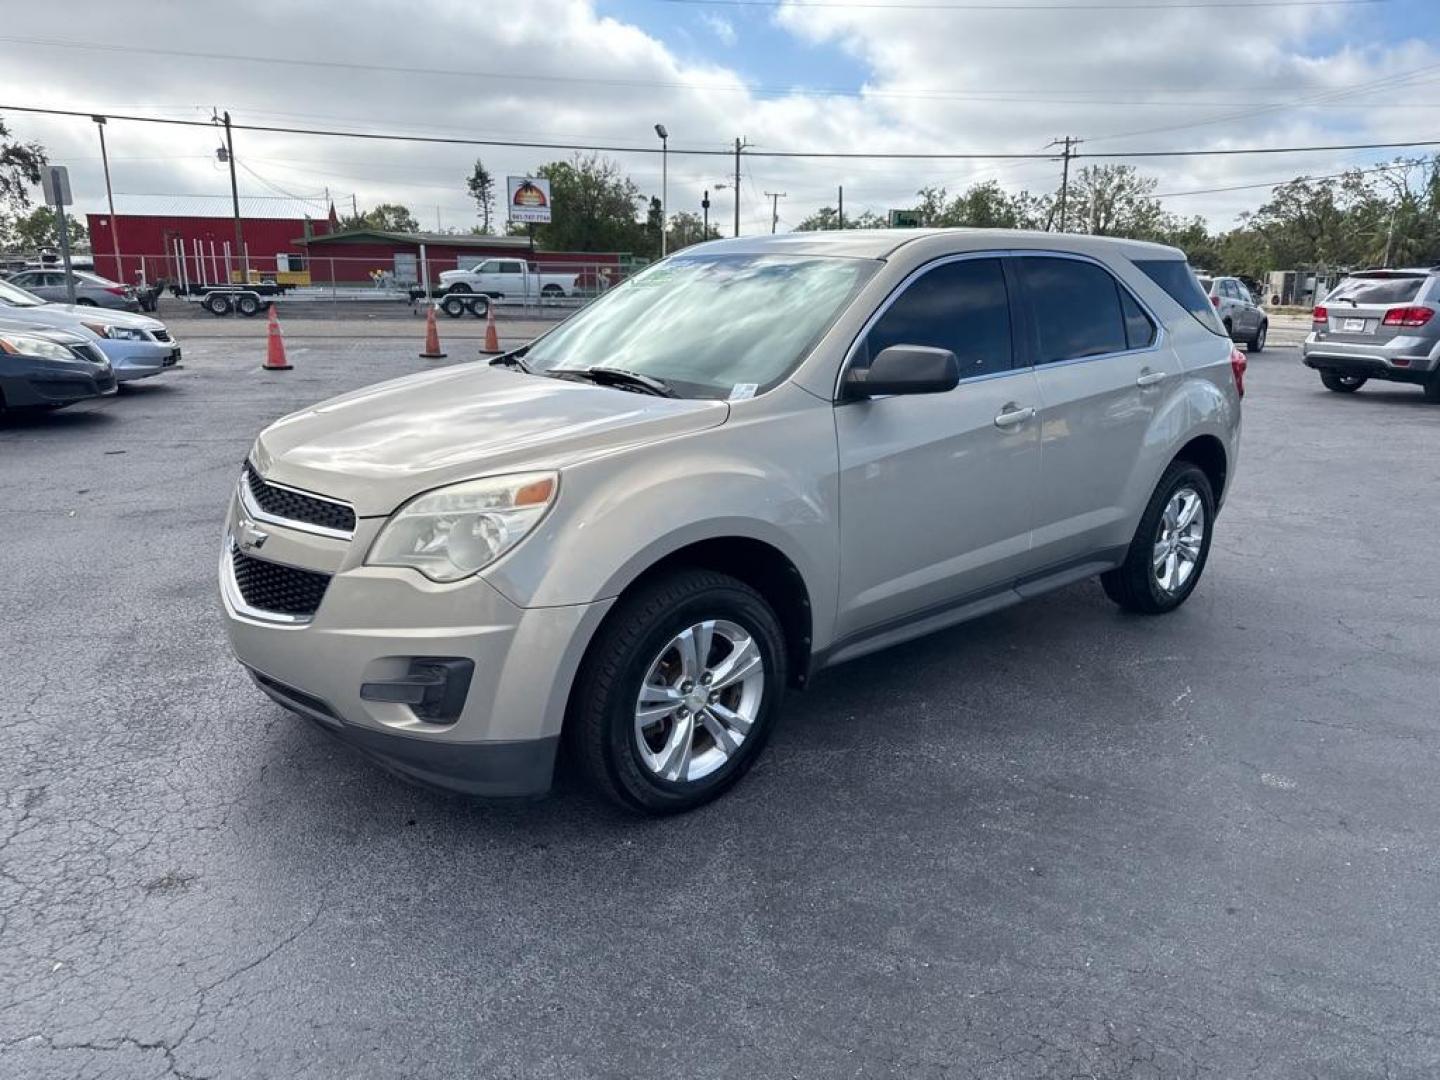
<point x="38" y="229"/>
<point x="827" y="217"/>
<point x="686" y="228"/>
<point x="1115" y="200"/>
<point x="482" y="189"/>
<point x="387" y="217"/>
<point x="593" y="208"/>
<point x="20" y="164"/>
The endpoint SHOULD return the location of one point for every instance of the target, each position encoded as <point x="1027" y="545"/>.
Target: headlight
<point x="454" y="531"/>
<point x="26" y="345"/>
<point x="116" y="333"/>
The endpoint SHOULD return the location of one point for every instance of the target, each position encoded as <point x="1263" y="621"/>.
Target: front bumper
<point x="46" y="383"/>
<point x="373" y="622"/>
<point x="133" y="360"/>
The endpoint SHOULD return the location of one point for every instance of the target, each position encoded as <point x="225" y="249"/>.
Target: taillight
<point x="1238" y="364"/>
<point x="1321" y="315"/>
<point x="116" y="290"/>
<point x="1215" y="301"/>
<point x="1407" y="316"/>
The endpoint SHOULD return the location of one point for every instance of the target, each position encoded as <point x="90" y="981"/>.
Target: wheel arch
<point x="1207" y="453"/>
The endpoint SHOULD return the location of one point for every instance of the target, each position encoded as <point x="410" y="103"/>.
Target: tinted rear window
<point x="1076" y="309"/>
<point x="1180" y="283"/>
<point x="1378" y="290"/>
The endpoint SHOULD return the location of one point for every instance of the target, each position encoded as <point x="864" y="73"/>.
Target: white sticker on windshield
<point x="743" y="390"/>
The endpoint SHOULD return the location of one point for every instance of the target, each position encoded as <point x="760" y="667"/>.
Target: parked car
<point x="1244" y="320"/>
<point x="49" y="369"/>
<point x="91" y="290"/>
<point x="137" y="346"/>
<point x="1378" y="324"/>
<point x="508" y="279"/>
<point x="757" y="458"/>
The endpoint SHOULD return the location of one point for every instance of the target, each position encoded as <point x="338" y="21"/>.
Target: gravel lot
<point x="1054" y="842"/>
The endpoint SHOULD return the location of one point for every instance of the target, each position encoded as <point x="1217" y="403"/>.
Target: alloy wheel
<point x="1181" y="537"/>
<point x="699" y="700"/>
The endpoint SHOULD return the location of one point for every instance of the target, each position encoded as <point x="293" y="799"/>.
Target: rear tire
<point x="1432" y="388"/>
<point x="217" y="304"/>
<point x="1149" y="586"/>
<point x="1257" y="343"/>
<point x="248" y="305"/>
<point x="459" y="287"/>
<point x="84" y="301"/>
<point x="636" y="648"/>
<point x="1342" y="384"/>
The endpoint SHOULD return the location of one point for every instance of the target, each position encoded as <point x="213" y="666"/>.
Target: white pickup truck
<point x="508" y="279"/>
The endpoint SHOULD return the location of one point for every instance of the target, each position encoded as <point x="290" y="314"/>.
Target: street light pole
<point x="110" y="199"/>
<point x="664" y="180"/>
<point x="705" y="206"/>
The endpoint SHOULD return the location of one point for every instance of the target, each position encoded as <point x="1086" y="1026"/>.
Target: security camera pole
<point x="55" y="184"/>
<point x="664" y="180"/>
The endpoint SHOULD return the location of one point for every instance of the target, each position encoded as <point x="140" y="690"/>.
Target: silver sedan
<point x="91" y="290"/>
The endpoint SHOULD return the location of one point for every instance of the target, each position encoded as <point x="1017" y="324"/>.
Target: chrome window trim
<point x="231" y="588"/>
<point x="1161" y="334"/>
<point x="247" y="500"/>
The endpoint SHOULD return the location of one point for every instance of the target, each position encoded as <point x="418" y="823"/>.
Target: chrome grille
<point x="292" y="505"/>
<point x="268" y="586"/>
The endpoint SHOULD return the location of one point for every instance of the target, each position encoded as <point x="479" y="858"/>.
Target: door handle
<point x="1013" y="417"/>
<point x="1150" y="378"/>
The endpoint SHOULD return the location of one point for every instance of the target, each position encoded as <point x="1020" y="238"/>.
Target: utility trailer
<point x="223" y="299"/>
<point x="455" y="305"/>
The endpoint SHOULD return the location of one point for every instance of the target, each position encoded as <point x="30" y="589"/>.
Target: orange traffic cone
<point x="275" y="346"/>
<point x="432" y="337"/>
<point x="492" y="336"/>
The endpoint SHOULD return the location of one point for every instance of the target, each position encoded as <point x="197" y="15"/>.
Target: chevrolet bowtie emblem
<point x="248" y="536"/>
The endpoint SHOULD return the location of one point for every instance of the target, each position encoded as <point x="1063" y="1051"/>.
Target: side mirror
<point x="905" y="369"/>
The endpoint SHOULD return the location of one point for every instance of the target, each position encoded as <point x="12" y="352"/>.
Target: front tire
<point x="1342" y="384"/>
<point x="678" y="693"/>
<point x="1170" y="546"/>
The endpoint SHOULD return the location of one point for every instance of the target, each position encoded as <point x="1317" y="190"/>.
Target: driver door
<point x="937" y="490"/>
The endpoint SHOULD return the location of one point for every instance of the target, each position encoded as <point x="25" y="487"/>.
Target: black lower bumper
<point x="51" y="388"/>
<point x="484" y="770"/>
<point x="1369" y="368"/>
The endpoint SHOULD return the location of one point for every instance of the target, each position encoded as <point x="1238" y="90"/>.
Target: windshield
<point x="17" y="297"/>
<point x="708" y="325"/>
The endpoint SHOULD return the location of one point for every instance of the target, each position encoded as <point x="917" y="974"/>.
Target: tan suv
<point x="753" y="460"/>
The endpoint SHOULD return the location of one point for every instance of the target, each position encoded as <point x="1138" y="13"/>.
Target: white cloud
<point x="942" y="81"/>
<point x="720" y="26"/>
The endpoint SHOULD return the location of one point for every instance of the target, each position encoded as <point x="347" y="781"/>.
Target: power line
<point x="1288" y="180"/>
<point x="1117" y="155"/>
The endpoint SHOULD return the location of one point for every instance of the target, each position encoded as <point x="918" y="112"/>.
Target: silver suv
<point x="1244" y="320"/>
<point x="755" y="459"/>
<point x="1378" y="324"/>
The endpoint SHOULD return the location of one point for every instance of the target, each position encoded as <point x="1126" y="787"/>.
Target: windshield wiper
<point x="512" y="360"/>
<point x="628" y="380"/>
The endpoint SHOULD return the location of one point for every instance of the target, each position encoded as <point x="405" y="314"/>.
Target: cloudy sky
<point x="829" y="75"/>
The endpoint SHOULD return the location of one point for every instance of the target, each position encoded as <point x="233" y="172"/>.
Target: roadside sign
<point x="904" y="219"/>
<point x="528" y="199"/>
<point x="55" y="183"/>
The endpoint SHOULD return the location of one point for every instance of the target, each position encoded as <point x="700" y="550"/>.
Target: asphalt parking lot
<point x="1056" y="842"/>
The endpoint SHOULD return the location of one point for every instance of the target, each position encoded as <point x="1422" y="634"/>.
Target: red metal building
<point x="151" y="239"/>
<point x="297" y="245"/>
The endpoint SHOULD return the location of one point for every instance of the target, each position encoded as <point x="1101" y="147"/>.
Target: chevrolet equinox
<point x="752" y="460"/>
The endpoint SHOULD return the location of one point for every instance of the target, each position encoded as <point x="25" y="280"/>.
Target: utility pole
<point x="840" y="201"/>
<point x="235" y="201"/>
<point x="705" y="207"/>
<point x="110" y="198"/>
<point x="354" y="206"/>
<point x="1069" y="143"/>
<point x="740" y="144"/>
<point x="774" y="197"/>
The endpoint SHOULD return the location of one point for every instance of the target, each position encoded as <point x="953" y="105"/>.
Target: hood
<point x="377" y="447"/>
<point x="73" y="316"/>
<point x="58" y="335"/>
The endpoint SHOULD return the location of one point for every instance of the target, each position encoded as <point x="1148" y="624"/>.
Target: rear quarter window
<point x="1378" y="290"/>
<point x="1181" y="285"/>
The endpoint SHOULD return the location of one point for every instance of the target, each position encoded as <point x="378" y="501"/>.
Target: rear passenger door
<point x="1102" y="369"/>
